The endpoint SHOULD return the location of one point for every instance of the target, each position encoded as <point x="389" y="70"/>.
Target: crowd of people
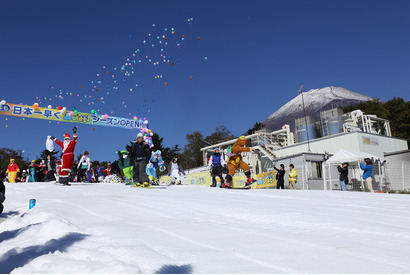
<point x="140" y="164"/>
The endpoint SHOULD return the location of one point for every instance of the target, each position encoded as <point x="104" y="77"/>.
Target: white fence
<point x="398" y="175"/>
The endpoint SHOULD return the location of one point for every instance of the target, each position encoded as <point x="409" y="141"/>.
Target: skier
<point x="140" y="153"/>
<point x="216" y="162"/>
<point x="12" y="170"/>
<point x="154" y="162"/>
<point x="83" y="167"/>
<point x="280" y="181"/>
<point x="67" y="147"/>
<point x="175" y="171"/>
<point x="235" y="162"/>
<point x="32" y="171"/>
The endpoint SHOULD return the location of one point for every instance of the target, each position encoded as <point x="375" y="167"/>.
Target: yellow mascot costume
<point x="12" y="170"/>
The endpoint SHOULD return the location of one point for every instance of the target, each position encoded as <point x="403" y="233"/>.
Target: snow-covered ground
<point x="111" y="228"/>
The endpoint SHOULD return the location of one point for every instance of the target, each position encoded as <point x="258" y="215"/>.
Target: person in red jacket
<point x="67" y="160"/>
<point x="108" y="170"/>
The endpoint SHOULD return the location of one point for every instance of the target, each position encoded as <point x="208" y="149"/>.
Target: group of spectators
<point x="49" y="170"/>
<point x="366" y="166"/>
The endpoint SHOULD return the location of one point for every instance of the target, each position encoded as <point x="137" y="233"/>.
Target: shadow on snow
<point x="175" y="269"/>
<point x="15" y="258"/>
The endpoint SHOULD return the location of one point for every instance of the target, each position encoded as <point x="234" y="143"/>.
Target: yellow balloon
<point x="71" y="93"/>
<point x="7" y="126"/>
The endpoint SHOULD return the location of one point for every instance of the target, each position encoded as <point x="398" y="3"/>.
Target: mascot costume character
<point x="235" y="162"/>
<point x="125" y="164"/>
<point x="154" y="162"/>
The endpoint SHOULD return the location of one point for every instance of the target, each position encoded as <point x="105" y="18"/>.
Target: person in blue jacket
<point x="100" y="174"/>
<point x="217" y="163"/>
<point x="367" y="173"/>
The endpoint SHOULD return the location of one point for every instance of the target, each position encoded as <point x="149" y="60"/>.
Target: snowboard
<point x="240" y="188"/>
<point x="150" y="187"/>
<point x="62" y="184"/>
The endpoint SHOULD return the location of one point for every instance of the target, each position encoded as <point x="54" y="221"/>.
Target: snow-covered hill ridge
<point x="316" y="100"/>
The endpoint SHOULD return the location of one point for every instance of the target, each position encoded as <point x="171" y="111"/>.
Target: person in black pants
<point x="280" y="181"/>
<point x="344" y="178"/>
<point x="140" y="153"/>
<point x="50" y="168"/>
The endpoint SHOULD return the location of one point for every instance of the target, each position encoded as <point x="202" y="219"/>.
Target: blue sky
<point x="258" y="54"/>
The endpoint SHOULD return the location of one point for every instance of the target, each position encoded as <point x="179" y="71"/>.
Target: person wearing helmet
<point x="140" y="154"/>
<point x="175" y="171"/>
<point x="217" y="162"/>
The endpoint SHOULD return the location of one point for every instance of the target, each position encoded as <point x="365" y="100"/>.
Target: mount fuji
<point x="316" y="100"/>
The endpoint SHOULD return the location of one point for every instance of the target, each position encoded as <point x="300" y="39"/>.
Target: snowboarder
<point x="83" y="167"/>
<point x="280" y="177"/>
<point x="12" y="170"/>
<point x="217" y="162"/>
<point x="344" y="179"/>
<point x="293" y="177"/>
<point x="67" y="147"/>
<point x="154" y="162"/>
<point x="175" y="171"/>
<point x="140" y="153"/>
<point x="235" y="162"/>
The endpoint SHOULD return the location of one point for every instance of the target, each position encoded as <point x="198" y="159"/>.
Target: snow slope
<point x="111" y="228"/>
<point x="316" y="100"/>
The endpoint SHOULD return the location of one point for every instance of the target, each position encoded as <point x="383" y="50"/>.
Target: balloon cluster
<point x="147" y="133"/>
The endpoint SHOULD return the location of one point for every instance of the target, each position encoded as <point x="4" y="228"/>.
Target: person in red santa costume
<point x="67" y="160"/>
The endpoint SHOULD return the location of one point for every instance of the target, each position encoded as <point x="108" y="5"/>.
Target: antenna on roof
<point x="304" y="111"/>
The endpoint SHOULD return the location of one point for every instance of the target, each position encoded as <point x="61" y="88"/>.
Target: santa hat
<point x="66" y="135"/>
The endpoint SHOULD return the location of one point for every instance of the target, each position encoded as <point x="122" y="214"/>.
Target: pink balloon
<point x="105" y="116"/>
<point x="71" y="113"/>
